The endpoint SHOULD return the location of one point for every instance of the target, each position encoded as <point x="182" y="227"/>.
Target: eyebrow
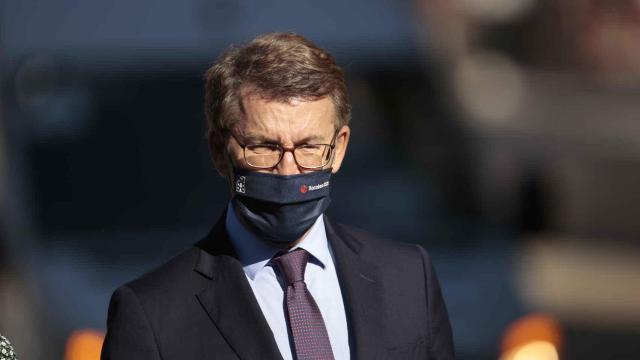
<point x="260" y="138"/>
<point x="312" y="139"/>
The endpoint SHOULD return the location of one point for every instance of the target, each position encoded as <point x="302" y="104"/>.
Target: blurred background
<point x="503" y="135"/>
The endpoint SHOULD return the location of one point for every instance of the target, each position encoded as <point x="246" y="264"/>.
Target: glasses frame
<point x="283" y="150"/>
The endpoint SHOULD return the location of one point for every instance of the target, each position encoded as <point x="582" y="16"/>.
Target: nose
<point x="287" y="165"/>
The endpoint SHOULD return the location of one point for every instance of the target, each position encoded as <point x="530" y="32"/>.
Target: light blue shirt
<point x="320" y="277"/>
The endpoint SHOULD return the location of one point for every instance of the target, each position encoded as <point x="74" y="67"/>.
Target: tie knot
<point x="292" y="265"/>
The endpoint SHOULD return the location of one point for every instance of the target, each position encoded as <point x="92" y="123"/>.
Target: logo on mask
<point x="240" y="185"/>
<point x="305" y="188"/>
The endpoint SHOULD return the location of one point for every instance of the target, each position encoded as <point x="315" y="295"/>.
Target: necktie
<point x="310" y="338"/>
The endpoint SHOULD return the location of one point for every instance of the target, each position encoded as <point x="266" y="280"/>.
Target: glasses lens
<point x="264" y="156"/>
<point x="313" y="156"/>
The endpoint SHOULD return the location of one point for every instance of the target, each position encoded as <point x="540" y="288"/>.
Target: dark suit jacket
<point x="199" y="305"/>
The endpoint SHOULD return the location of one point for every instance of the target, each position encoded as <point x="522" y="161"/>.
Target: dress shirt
<point x="320" y="277"/>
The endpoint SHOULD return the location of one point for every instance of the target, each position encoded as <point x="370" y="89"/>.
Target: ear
<point x="342" y="140"/>
<point x="219" y="158"/>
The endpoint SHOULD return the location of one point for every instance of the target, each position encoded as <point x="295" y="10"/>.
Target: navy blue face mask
<point x="280" y="208"/>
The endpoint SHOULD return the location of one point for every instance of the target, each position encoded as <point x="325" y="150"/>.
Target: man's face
<point x="288" y="124"/>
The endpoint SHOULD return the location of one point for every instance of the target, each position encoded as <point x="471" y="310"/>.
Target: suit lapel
<point x="362" y="294"/>
<point x="229" y="301"/>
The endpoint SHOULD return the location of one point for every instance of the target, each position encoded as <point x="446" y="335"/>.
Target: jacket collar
<point x="362" y="293"/>
<point x="229" y="301"/>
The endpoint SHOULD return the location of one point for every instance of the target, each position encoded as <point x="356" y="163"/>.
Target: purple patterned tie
<point x="305" y="320"/>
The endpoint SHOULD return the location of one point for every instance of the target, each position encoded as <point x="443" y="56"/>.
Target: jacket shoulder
<point x="375" y="245"/>
<point x="173" y="276"/>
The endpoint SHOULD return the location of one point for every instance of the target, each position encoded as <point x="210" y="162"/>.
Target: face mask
<point x="280" y="208"/>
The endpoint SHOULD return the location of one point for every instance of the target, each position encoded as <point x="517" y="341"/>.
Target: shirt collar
<point x="254" y="254"/>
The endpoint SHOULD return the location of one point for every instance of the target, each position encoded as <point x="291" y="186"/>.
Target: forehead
<point x="286" y="120"/>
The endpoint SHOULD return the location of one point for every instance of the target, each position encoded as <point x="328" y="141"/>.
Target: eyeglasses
<point x="307" y="156"/>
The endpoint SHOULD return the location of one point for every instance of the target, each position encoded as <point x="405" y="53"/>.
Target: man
<point x="275" y="278"/>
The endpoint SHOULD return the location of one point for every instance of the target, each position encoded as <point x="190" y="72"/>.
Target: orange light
<point x="536" y="350"/>
<point x="535" y="337"/>
<point x="84" y="344"/>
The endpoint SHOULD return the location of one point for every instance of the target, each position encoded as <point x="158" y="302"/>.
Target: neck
<point x="295" y="243"/>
